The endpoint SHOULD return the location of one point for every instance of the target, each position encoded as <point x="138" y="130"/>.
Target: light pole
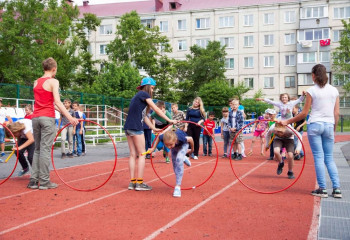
<point x="318" y="42"/>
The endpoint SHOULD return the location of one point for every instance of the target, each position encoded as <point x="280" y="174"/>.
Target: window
<point x="248" y="41"/>
<point x="289" y="17"/>
<point x="232" y="82"/>
<point x="269" y="18"/>
<point x="344" y="101"/>
<point x="229" y="63"/>
<point x="182" y="45"/>
<point x="340" y="79"/>
<point x="268" y="40"/>
<point x="103" y="49"/>
<point x="87" y="32"/>
<point x="248" y="20"/>
<point x="305" y="79"/>
<point x="314" y="34"/>
<point x="202" y="42"/>
<point x="249" y="83"/>
<point x="342" y="12"/>
<point x="89" y="49"/>
<point x="313" y="12"/>
<point x="248" y="62"/>
<point x="289" y="38"/>
<point x="181" y="24"/>
<point x="337" y="35"/>
<point x="268" y="82"/>
<point x="289" y="82"/>
<point x="106" y="29"/>
<point x="309" y="57"/>
<point x="324" y="56"/>
<point x="202" y="23"/>
<point x="226" y="21"/>
<point x="163" y="26"/>
<point x="269" y="61"/>
<point x="147" y="23"/>
<point x="227" y="41"/>
<point x="290" y="60"/>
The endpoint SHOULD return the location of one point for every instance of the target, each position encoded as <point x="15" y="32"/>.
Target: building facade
<point x="270" y="44"/>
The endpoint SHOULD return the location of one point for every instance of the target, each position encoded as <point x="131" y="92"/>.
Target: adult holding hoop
<point x="46" y="97"/>
<point x="323" y="99"/>
<point x="195" y="114"/>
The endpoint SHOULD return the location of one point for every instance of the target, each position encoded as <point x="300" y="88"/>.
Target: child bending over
<point x="178" y="142"/>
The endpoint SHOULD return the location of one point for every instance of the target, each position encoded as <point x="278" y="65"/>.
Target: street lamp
<point x="318" y="43"/>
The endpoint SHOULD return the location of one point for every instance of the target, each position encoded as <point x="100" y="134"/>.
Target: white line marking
<point x="185" y="214"/>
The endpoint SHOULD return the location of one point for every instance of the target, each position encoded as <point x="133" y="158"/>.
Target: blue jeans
<point x="178" y="155"/>
<point x="321" y="140"/>
<point x="207" y="140"/>
<point x="226" y="140"/>
<point x="77" y="138"/>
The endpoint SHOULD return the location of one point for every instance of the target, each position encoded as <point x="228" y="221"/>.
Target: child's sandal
<point x="249" y="153"/>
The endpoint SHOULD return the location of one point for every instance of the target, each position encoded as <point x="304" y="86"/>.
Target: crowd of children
<point x="179" y="132"/>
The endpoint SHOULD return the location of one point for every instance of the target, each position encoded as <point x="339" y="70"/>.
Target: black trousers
<point x="194" y="131"/>
<point x="30" y="149"/>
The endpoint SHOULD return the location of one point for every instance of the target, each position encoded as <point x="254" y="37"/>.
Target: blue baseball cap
<point x="147" y="81"/>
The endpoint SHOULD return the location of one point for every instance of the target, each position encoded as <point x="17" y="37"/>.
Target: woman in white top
<point x="323" y="99"/>
<point x="23" y="130"/>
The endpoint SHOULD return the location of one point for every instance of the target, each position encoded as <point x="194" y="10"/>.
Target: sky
<point x="93" y="2"/>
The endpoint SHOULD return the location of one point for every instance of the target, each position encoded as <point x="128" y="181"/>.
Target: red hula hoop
<point x="283" y="189"/>
<point x="14" y="168"/>
<point x="211" y="174"/>
<point x="115" y="159"/>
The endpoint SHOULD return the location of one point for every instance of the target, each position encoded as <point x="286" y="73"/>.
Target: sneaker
<point x="2" y="154"/>
<point x="167" y="160"/>
<point x="142" y="187"/>
<point x="2" y="161"/>
<point x="177" y="192"/>
<point x="78" y="155"/>
<point x="280" y="168"/>
<point x="195" y="158"/>
<point x="131" y="186"/>
<point x="336" y="193"/>
<point x="187" y="161"/>
<point x="225" y="155"/>
<point x="210" y="154"/>
<point x="239" y="157"/>
<point x="22" y="172"/>
<point x="204" y="154"/>
<point x="297" y="157"/>
<point x="48" y="185"/>
<point x="70" y="155"/>
<point x="320" y="193"/>
<point x="233" y="156"/>
<point x="148" y="156"/>
<point x="290" y="175"/>
<point x="83" y="154"/>
<point x="33" y="184"/>
<point x="243" y="155"/>
<point x="270" y="158"/>
<point x="63" y="155"/>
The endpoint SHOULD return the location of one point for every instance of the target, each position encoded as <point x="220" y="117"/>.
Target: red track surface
<point x="220" y="209"/>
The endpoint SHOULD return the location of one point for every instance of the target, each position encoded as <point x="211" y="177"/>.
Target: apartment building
<point x="270" y="44"/>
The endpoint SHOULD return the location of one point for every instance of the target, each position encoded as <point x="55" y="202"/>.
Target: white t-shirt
<point x="323" y="102"/>
<point x="28" y="127"/>
<point x="3" y="114"/>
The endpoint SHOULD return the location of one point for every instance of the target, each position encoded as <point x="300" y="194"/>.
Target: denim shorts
<point x="2" y="135"/>
<point x="130" y="132"/>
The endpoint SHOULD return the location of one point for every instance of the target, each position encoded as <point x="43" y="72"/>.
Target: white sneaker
<point x="195" y="158"/>
<point x="187" y="162"/>
<point x="177" y="192"/>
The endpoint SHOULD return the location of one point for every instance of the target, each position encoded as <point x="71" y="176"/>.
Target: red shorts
<point x="258" y="133"/>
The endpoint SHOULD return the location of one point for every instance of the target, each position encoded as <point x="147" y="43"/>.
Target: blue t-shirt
<point x="194" y="115"/>
<point x="181" y="138"/>
<point x="137" y="111"/>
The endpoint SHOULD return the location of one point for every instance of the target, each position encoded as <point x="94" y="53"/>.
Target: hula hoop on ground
<point x="14" y="168"/>
<point x="253" y="189"/>
<point x="115" y="159"/>
<point x="196" y="186"/>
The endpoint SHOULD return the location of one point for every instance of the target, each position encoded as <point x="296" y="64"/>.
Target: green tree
<point x="201" y="66"/>
<point x="145" y="47"/>
<point x="118" y="81"/>
<point x="216" y="93"/>
<point x="33" y="30"/>
<point x="341" y="56"/>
